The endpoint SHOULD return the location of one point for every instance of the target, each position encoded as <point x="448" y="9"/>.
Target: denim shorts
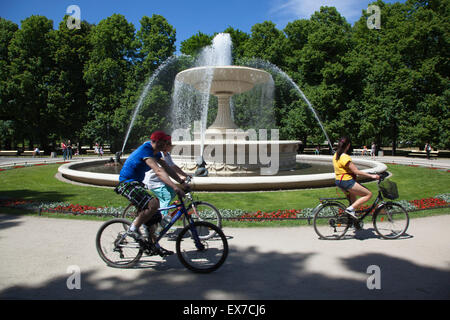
<point x="345" y="184"/>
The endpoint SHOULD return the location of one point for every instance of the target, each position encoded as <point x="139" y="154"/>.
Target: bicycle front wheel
<point x="391" y="220"/>
<point x="115" y="247"/>
<point x="204" y="211"/>
<point x="201" y="255"/>
<point x="330" y="221"/>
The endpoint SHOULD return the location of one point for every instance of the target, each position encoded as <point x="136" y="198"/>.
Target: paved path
<point x="264" y="263"/>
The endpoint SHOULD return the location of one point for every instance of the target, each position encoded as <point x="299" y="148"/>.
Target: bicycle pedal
<point x="164" y="253"/>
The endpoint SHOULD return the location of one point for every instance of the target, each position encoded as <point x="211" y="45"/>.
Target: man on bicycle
<point x="146" y="157"/>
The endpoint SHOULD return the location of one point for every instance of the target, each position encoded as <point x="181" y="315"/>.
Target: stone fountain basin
<point x="256" y="183"/>
<point x="226" y="80"/>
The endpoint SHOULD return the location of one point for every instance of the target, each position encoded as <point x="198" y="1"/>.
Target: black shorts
<point x="135" y="192"/>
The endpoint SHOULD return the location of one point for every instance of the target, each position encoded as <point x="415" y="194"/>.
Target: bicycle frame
<point x="175" y="218"/>
<point x="379" y="201"/>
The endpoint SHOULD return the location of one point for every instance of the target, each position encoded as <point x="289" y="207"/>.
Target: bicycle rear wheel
<point x="202" y="255"/>
<point x="204" y="211"/>
<point x="330" y="221"/>
<point x="391" y="220"/>
<point x="115" y="247"/>
<point x="129" y="213"/>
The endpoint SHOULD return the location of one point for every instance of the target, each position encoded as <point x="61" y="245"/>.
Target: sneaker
<point x="153" y="250"/>
<point x="162" y="252"/>
<point x="135" y="235"/>
<point x="351" y="213"/>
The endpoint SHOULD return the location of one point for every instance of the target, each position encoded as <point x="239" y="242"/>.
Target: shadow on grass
<point x="32" y="195"/>
<point x="247" y="274"/>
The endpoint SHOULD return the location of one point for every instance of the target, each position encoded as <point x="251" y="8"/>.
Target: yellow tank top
<point x="340" y="167"/>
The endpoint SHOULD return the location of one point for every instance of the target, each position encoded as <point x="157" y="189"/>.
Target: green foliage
<point x="389" y="85"/>
<point x="194" y="44"/>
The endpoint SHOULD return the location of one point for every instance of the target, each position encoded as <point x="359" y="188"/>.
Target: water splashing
<point x="144" y="94"/>
<point x="257" y="63"/>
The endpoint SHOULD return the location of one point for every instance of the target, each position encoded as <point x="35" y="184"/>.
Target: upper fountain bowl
<point x="223" y="80"/>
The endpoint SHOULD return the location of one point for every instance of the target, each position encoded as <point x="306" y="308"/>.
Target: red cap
<point x="159" y="135"/>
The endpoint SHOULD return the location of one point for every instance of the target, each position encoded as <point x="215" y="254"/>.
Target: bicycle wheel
<point x="115" y="247"/>
<point x="203" y="255"/>
<point x="391" y="220"/>
<point x="204" y="211"/>
<point x="130" y="213"/>
<point x="330" y="221"/>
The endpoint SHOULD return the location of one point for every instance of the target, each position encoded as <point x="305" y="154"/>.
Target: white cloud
<point x="288" y="10"/>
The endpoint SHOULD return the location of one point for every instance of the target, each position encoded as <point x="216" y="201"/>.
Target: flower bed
<point x="440" y="201"/>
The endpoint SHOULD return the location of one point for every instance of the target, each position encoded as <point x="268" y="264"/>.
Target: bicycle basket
<point x="389" y="189"/>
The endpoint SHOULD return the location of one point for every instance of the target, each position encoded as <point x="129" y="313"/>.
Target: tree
<point x="316" y="62"/>
<point x="7" y="112"/>
<point x="195" y="44"/>
<point x="266" y="42"/>
<point x="31" y="64"/>
<point x="67" y="99"/>
<point x="156" y="38"/>
<point x="107" y="74"/>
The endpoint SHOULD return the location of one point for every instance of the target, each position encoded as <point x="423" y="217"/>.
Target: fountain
<point x="227" y="149"/>
<point x="236" y="159"/>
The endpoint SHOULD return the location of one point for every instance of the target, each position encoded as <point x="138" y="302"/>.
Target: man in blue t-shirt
<point x="147" y="157"/>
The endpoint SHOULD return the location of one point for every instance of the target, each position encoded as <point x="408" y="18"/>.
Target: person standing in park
<point x="428" y="149"/>
<point x="64" y="150"/>
<point x="373" y="150"/>
<point x="147" y="156"/>
<point x="346" y="173"/>
<point x="69" y="150"/>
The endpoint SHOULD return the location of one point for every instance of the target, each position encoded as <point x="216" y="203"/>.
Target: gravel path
<point x="39" y="254"/>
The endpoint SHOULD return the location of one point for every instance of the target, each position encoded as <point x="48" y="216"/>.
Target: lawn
<point x="38" y="183"/>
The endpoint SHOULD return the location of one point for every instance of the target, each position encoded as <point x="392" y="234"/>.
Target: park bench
<point x="91" y="151"/>
<point x="422" y="153"/>
<point x="31" y="153"/>
<point x="9" y="152"/>
<point x="360" y="152"/>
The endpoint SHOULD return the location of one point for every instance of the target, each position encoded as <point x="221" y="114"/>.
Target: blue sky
<point x="186" y="16"/>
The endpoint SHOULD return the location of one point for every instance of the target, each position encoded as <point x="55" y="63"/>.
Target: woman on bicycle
<point x="346" y="172"/>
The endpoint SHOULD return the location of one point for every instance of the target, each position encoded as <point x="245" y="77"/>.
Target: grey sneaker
<point x="351" y="213"/>
<point x="135" y="235"/>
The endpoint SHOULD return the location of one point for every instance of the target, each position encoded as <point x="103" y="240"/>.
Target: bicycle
<point x="390" y="220"/>
<point x="202" y="255"/>
<point x="200" y="211"/>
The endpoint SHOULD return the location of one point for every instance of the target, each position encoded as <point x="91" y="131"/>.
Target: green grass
<point x="38" y="183"/>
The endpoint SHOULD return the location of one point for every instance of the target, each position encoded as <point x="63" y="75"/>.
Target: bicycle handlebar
<point x="382" y="175"/>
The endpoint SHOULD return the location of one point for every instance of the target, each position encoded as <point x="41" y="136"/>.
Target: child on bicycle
<point x="146" y="157"/>
<point x="163" y="192"/>
<point x="346" y="172"/>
